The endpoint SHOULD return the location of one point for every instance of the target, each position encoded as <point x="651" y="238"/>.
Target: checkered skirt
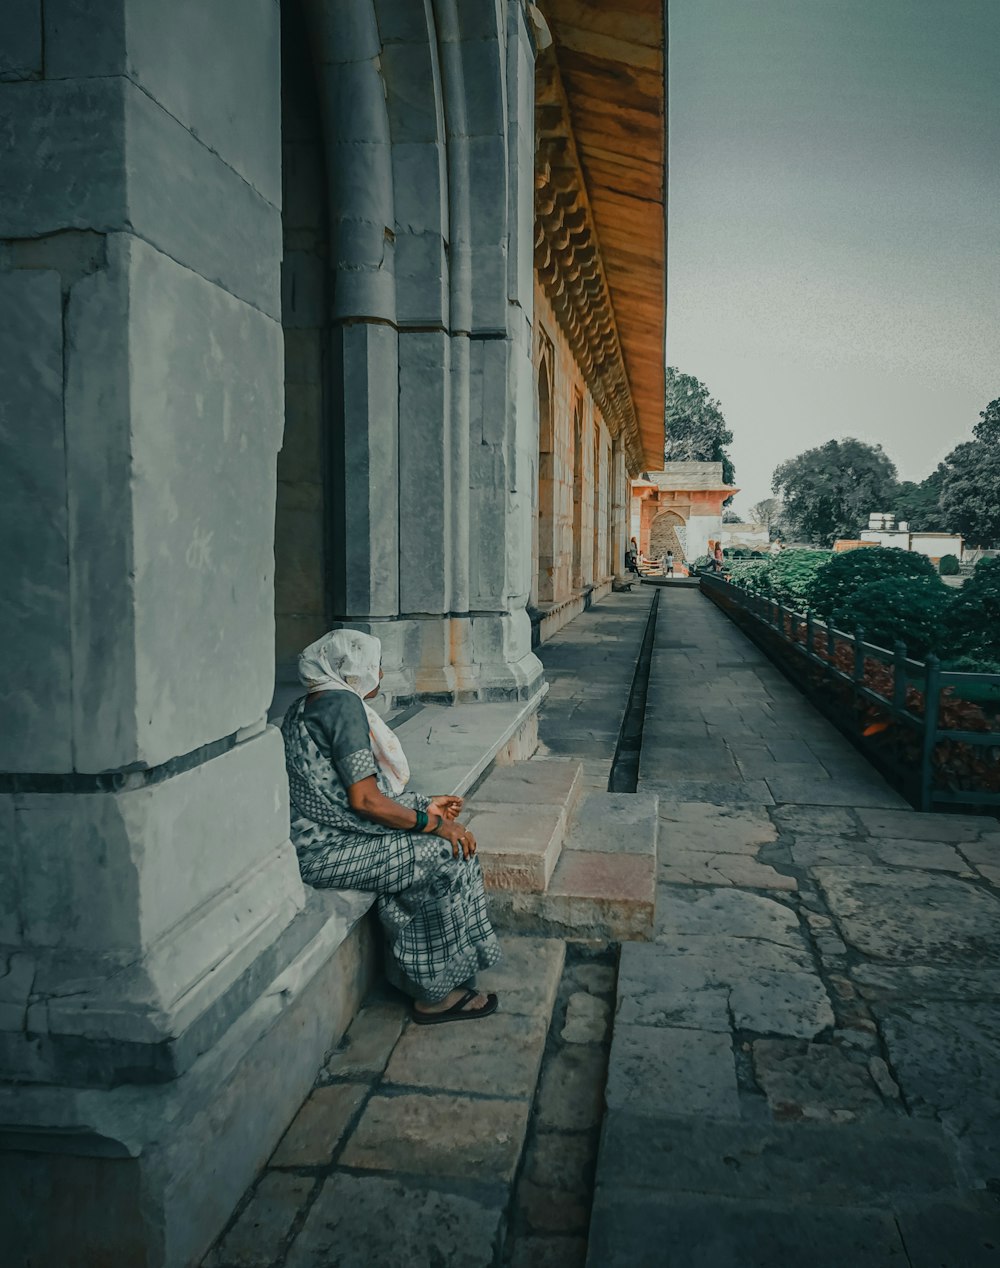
<point x="432" y="906"/>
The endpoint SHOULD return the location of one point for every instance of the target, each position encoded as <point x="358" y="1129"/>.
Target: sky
<point x="834" y="222"/>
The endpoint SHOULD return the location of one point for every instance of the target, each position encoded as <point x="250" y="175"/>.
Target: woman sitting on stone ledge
<point x="354" y="827"/>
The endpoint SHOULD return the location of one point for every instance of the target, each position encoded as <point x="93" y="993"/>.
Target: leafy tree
<point x="829" y="492"/>
<point x="904" y="608"/>
<point x="767" y="512"/>
<point x="974" y="625"/>
<point x="948" y="566"/>
<point x="919" y="505"/>
<point x="988" y="428"/>
<point x="730" y="517"/>
<point x="695" y="428"/>
<point x="970" y="492"/>
<point x="839" y="580"/>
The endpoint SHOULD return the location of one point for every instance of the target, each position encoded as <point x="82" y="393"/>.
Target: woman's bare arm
<point x="367" y="801"/>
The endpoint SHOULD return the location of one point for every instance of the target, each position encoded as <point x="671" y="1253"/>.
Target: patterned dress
<point x="432" y="906"/>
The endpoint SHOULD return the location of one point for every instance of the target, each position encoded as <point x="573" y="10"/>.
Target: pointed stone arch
<point x="667" y="533"/>
<point x="546" y="508"/>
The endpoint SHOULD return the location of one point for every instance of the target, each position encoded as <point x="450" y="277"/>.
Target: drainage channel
<point x="624" y="775"/>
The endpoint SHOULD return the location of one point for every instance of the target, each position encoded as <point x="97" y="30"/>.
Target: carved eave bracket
<point x="568" y="260"/>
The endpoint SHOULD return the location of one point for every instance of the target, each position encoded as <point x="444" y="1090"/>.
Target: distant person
<point x="668" y="564"/>
<point x="717" y="558"/>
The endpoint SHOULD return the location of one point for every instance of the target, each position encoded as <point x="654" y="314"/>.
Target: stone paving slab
<point x="731" y="912"/>
<point x="946" y="1058"/>
<point x="874" y="908"/>
<point x="829" y="1164"/>
<point x="749" y="792"/>
<point x="810" y="791"/>
<point x="549" y="783"/>
<point x="667" y="1070"/>
<point x="527" y="978"/>
<point x="615" y="823"/>
<point x="319" y="1126"/>
<point x="460" y="1137"/>
<point x="461" y="1057"/>
<point x="859" y="1004"/>
<point x="258" y="1236"/>
<point x="951" y="1236"/>
<point x="656" y="1231"/>
<point x="363" y="1221"/>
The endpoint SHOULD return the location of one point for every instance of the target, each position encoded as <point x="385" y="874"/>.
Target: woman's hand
<point x="446" y="807"/>
<point x="459" y="837"/>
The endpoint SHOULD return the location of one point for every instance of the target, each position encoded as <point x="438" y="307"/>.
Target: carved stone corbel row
<point x="568" y="259"/>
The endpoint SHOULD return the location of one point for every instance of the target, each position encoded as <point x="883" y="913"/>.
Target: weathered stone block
<point x="172" y="52"/>
<point x="358" y="1221"/>
<point x="21" y="51"/>
<point x="571" y="1096"/>
<point x="258" y="1236"/>
<point x="35" y="615"/>
<point x="657" y="988"/>
<point x="206" y="216"/>
<point x="164" y="1212"/>
<point x="134" y="881"/>
<point x="319" y="1126"/>
<point x="630" y="1231"/>
<point x="944" y="1056"/>
<point x="662" y="1070"/>
<point x="518" y="847"/>
<point x="587" y="1019"/>
<point x="527" y="978"/>
<point x="500" y="1054"/>
<point x="616" y="823"/>
<point x="440" y="1135"/>
<point x="177" y="425"/>
<point x="813" y="1081"/>
<point x="366" y="1047"/>
<point x="874" y="909"/>
<point x="366" y="443"/>
<point x="823" y="1164"/>
<point x="945" y="1234"/>
<point x="80" y="128"/>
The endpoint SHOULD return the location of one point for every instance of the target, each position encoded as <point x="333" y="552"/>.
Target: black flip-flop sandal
<point x="457" y="1012"/>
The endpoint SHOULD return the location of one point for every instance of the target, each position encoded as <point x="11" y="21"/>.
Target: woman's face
<point x="374" y="692"/>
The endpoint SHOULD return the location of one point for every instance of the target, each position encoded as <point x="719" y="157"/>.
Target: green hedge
<point x="837" y="584"/>
<point x="949" y="566"/>
<point x="792" y="574"/>
<point x="899" y="608"/>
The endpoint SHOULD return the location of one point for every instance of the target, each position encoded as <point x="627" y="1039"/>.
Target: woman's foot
<point x="473" y="1004"/>
<point x="460" y="1005"/>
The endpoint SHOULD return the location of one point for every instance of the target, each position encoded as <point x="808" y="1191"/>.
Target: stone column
<point x="149" y="896"/>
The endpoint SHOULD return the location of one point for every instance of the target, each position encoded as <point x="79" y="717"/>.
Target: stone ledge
<point x="100" y="1146"/>
<point x="450" y="746"/>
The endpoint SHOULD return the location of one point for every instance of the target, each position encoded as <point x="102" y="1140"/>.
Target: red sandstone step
<point x="520" y="815"/>
<point x="604" y="885"/>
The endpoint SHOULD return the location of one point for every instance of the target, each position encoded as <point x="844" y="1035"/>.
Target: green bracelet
<point x="422" y="821"/>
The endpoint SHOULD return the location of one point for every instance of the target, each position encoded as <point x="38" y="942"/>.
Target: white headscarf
<point x="348" y="660"/>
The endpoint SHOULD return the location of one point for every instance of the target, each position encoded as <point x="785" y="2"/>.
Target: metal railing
<point x="905" y="729"/>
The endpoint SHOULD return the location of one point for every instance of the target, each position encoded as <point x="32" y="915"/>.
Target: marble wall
<point x="161" y="315"/>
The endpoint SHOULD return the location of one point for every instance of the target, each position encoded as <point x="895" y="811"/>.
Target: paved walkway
<point x="804" y="1069"/>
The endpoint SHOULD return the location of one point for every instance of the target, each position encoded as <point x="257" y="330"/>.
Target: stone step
<point x="408" y="1128"/>
<point x="604" y="885"/>
<point x="519" y="816"/>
